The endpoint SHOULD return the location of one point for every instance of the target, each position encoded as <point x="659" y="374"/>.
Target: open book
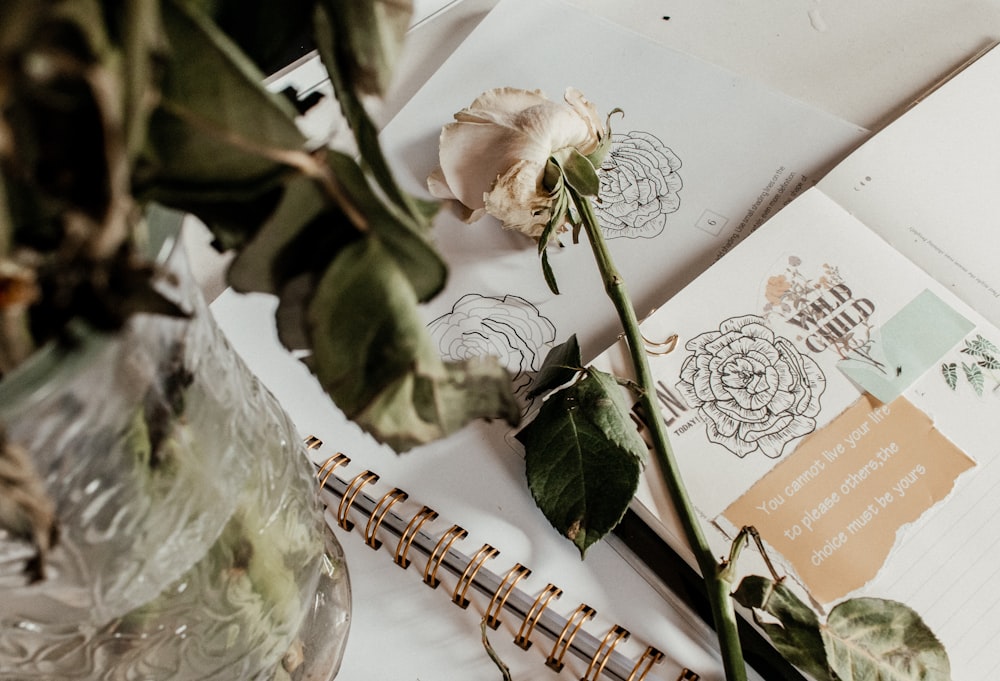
<point x="723" y="153"/>
<point x="836" y="383"/>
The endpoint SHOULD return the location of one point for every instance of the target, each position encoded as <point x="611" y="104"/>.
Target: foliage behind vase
<point x="107" y="107"/>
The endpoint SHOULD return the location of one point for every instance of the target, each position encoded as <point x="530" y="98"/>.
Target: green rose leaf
<point x="308" y="228"/>
<point x="872" y="638"/>
<point x="796" y="634"/>
<point x="581" y="174"/>
<point x="863" y="638"/>
<point x="557" y="217"/>
<point x="549" y="274"/>
<point x="582" y="458"/>
<point x="373" y="356"/>
<point x="218" y="137"/>
<point x="370" y="49"/>
<point x="282" y="247"/>
<point x="264" y="30"/>
<point x="597" y="156"/>
<point x="561" y="364"/>
<point x="402" y="234"/>
<point x="340" y="50"/>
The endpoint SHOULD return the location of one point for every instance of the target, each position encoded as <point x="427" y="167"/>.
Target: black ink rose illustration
<point x="755" y="391"/>
<point x="509" y="328"/>
<point x="639" y="185"/>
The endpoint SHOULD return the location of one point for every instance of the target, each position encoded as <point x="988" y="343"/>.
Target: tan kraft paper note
<point x="833" y="508"/>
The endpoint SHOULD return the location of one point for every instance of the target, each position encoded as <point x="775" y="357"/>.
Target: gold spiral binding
<point x="614" y="636"/>
<point x="645" y="662"/>
<point x="378" y="514"/>
<point x="688" y="675"/>
<point x="550" y="592"/>
<point x="313" y="442"/>
<point x="573" y="625"/>
<point x="324" y="472"/>
<point x="510" y="580"/>
<point x="469" y="575"/>
<point x="453" y="534"/>
<point x="425" y="514"/>
<point x="350" y="494"/>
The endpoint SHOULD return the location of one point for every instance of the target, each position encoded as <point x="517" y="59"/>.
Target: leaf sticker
<point x="980" y="347"/>
<point x="872" y="638"/>
<point x="950" y="373"/>
<point x="975" y="377"/>
<point x="582" y="458"/>
<point x="989" y="362"/>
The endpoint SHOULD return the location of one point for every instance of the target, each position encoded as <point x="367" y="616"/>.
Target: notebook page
<point x="889" y="496"/>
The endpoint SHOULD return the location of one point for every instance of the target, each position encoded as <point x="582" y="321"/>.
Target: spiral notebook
<point x="416" y="538"/>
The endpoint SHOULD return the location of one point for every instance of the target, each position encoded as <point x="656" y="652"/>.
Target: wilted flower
<point x="756" y="391"/>
<point x="493" y="156"/>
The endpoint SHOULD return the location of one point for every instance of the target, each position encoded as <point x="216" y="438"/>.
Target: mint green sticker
<point x="910" y="343"/>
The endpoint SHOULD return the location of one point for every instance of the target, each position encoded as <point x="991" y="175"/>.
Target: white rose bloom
<point x="493" y="156"/>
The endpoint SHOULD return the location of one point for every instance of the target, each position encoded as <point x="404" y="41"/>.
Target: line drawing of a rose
<point x="639" y="186"/>
<point x="754" y="390"/>
<point x="509" y="328"/>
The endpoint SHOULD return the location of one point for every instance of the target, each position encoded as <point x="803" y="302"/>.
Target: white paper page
<point x="737" y="146"/>
<point x="813" y="255"/>
<point x="928" y="184"/>
<point x="404" y="630"/>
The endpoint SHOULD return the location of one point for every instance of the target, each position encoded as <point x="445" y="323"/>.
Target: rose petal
<point x="472" y="156"/>
<point x="730" y="442"/>
<point x="772" y="444"/>
<point x="437" y="185"/>
<point x="505" y="126"/>
<point x="588" y="112"/>
<point x="518" y="200"/>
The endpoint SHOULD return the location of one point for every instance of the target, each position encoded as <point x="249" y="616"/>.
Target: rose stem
<point x="717" y="585"/>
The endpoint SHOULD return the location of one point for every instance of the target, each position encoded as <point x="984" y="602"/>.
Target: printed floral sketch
<point x="509" y="328"/>
<point x="980" y="366"/>
<point x="754" y="390"/>
<point x="792" y="295"/>
<point x="639" y="185"/>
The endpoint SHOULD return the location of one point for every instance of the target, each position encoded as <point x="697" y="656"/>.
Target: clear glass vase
<point x="191" y="543"/>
